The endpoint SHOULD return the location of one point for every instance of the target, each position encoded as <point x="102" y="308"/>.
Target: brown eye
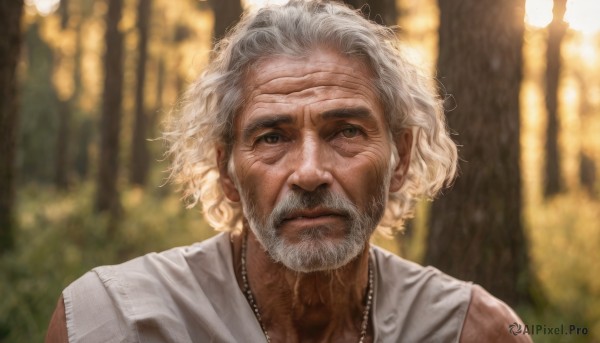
<point x="271" y="138"/>
<point x="350" y="132"/>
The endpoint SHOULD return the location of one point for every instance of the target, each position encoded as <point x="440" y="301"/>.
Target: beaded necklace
<point x="252" y="302"/>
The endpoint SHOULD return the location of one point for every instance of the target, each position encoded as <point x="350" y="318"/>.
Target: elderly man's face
<point x="311" y="160"/>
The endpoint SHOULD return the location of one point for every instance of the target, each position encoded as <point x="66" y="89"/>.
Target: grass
<point x="61" y="237"/>
<point x="564" y="235"/>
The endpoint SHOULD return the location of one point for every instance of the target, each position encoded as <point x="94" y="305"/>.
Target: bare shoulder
<point x="489" y="319"/>
<point x="57" y="329"/>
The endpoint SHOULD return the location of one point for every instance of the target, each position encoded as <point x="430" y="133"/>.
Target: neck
<point x="317" y="306"/>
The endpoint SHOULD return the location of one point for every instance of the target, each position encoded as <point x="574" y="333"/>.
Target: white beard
<point x="314" y="251"/>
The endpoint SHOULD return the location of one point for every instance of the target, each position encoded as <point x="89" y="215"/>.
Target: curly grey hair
<point x="206" y="113"/>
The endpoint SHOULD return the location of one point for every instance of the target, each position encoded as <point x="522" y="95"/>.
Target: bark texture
<point x="139" y="147"/>
<point x="556" y="32"/>
<point x="476" y="230"/>
<point x="10" y="46"/>
<point x="107" y="197"/>
<point x="62" y="162"/>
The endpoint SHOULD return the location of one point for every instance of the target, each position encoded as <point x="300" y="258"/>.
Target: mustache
<point x="302" y="200"/>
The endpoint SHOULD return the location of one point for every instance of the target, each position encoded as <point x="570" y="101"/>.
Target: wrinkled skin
<point x="312" y="125"/>
<point x="309" y="125"/>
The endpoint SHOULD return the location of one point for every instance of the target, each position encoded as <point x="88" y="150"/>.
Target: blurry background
<point x="83" y="179"/>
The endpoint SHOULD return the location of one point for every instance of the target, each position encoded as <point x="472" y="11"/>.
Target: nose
<point x="312" y="168"/>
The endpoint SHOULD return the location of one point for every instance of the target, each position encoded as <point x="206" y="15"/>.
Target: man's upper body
<point x="190" y="294"/>
<point x="306" y="134"/>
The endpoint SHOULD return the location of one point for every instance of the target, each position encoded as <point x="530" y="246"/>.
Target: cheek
<point x="362" y="179"/>
<point x="261" y="185"/>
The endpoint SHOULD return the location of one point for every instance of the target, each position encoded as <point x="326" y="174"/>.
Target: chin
<point x="316" y="254"/>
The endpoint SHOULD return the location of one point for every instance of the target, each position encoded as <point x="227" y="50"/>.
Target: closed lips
<point x="311" y="214"/>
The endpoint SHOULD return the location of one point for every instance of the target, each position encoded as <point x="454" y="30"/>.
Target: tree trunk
<point x="61" y="171"/>
<point x="227" y="13"/>
<point x="158" y="90"/>
<point x="107" y="198"/>
<point x="556" y="32"/>
<point x="587" y="174"/>
<point x="139" y="148"/>
<point x="475" y="230"/>
<point x="383" y="12"/>
<point x="10" y="46"/>
<point x="64" y="13"/>
<point x="83" y="126"/>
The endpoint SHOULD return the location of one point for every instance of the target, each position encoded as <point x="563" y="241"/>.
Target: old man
<point x="307" y="133"/>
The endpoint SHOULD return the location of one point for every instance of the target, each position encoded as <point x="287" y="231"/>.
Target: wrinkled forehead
<point x="321" y="71"/>
<point x="315" y="60"/>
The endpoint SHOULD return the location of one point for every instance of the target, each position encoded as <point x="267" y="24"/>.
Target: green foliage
<point x="61" y="238"/>
<point x="564" y="247"/>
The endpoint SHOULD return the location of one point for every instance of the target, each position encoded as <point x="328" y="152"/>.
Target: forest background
<point x="85" y="86"/>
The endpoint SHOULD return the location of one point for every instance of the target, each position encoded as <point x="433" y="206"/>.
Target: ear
<point x="404" y="145"/>
<point x="225" y="179"/>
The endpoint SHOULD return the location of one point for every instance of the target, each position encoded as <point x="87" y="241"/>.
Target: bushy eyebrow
<point x="348" y="113"/>
<point x="279" y="119"/>
<point x="265" y="123"/>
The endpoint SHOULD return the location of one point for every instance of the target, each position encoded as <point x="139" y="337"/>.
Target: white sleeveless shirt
<point x="190" y="294"/>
